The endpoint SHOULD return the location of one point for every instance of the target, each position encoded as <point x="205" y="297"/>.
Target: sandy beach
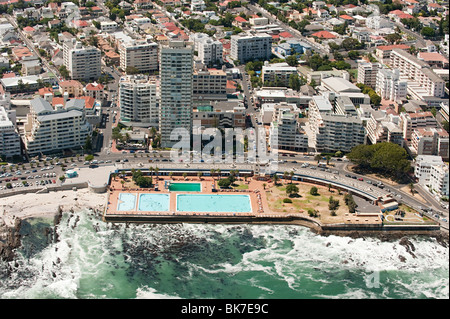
<point x="46" y="204"/>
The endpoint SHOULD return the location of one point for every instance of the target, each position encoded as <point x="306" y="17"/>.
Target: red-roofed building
<point x="434" y="59"/>
<point x="285" y="35"/>
<point x="384" y="51"/>
<point x="324" y="35"/>
<point x="239" y="21"/>
<point x="79" y="23"/>
<point x="96" y="91"/>
<point x="397" y="15"/>
<point x="28" y="30"/>
<point x="43" y="91"/>
<point x="435" y="7"/>
<point x="346" y="17"/>
<point x="170" y="26"/>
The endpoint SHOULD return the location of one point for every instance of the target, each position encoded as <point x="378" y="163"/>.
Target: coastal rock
<point x="402" y="258"/>
<point x="404" y="241"/>
<point x="10" y="240"/>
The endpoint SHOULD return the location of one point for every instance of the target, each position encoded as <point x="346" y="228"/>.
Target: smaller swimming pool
<point x="154" y="202"/>
<point x="185" y="187"/>
<point x="126" y="201"/>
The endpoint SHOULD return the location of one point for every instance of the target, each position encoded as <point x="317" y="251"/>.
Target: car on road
<point x="360" y="179"/>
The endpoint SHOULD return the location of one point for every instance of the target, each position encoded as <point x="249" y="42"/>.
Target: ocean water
<point x="92" y="259"/>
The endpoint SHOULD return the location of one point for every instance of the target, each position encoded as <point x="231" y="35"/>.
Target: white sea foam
<point x="151" y="293"/>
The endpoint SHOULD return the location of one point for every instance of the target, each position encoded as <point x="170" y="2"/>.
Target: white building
<point x="197" y="5"/>
<point x="330" y="131"/>
<point x="139" y="101"/>
<point x="280" y="71"/>
<point x="210" y="51"/>
<point x="108" y="26"/>
<point x="83" y="63"/>
<point x="49" y="129"/>
<point x="389" y="86"/>
<point x="257" y="46"/>
<point x="344" y="87"/>
<point x="432" y="174"/>
<point x="285" y="128"/>
<point x="439" y="180"/>
<point x="176" y="65"/>
<point x="376" y="22"/>
<point x="9" y="137"/>
<point x="139" y="54"/>
<point x="427" y="82"/>
<point x="367" y="73"/>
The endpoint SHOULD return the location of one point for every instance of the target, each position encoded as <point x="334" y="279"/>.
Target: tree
<point x="313" y="191"/>
<point x="291" y="189"/>
<point x="428" y="32"/>
<point x="386" y="158"/>
<point x="294" y="82"/>
<point x="64" y="72"/>
<point x="333" y="204"/>
<point x="292" y="60"/>
<point x="224" y="182"/>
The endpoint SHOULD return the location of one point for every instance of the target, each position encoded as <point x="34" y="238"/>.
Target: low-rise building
<point x="430" y="141"/>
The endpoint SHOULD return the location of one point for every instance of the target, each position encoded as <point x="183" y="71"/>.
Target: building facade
<point x="389" y="86"/>
<point x="9" y="137"/>
<point x="139" y="101"/>
<point x="49" y="129"/>
<point x="139" y="54"/>
<point x="176" y="65"/>
<point x="83" y="63"/>
<point x="256" y="46"/>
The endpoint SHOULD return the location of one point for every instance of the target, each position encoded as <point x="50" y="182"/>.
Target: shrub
<point x="313" y="191"/>
<point x="287" y="200"/>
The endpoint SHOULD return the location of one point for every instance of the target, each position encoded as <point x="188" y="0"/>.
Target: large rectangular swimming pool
<point x="213" y="203"/>
<point x="185" y="187"/>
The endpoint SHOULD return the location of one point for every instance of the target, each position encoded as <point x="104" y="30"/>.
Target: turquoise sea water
<point x="93" y="259"/>
<point x="213" y="203"/>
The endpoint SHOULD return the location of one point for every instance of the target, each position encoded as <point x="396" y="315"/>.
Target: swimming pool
<point x="213" y="203"/>
<point x="126" y="201"/>
<point x="185" y="187"/>
<point x="154" y="202"/>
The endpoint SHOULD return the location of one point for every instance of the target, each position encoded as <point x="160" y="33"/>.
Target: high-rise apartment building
<point x="139" y="101"/>
<point x="424" y="82"/>
<point x="83" y="63"/>
<point x="176" y="65"/>
<point x="139" y="54"/>
<point x="210" y="51"/>
<point x="389" y="85"/>
<point x="256" y="46"/>
<point x="9" y="138"/>
<point x="330" y="131"/>
<point x="49" y="129"/>
<point x="367" y="73"/>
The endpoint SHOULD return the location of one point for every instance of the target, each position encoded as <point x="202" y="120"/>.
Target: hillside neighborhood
<point x="82" y="76"/>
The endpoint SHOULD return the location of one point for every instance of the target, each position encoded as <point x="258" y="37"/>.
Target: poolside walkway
<point x="258" y="200"/>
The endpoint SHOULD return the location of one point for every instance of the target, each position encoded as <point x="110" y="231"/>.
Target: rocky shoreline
<point x="10" y="236"/>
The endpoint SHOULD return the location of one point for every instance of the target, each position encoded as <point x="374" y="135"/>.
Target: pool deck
<point x="257" y="196"/>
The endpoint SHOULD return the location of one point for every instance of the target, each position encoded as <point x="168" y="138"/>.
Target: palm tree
<point x="411" y="188"/>
<point x="317" y="158"/>
<point x="291" y="175"/>
<point x="275" y="179"/>
<point x="264" y="185"/>
<point x="328" y="157"/>
<point x="199" y="174"/>
<point x="212" y="173"/>
<point x="285" y="175"/>
<point x="185" y="175"/>
<point x="170" y="175"/>
<point x="156" y="171"/>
